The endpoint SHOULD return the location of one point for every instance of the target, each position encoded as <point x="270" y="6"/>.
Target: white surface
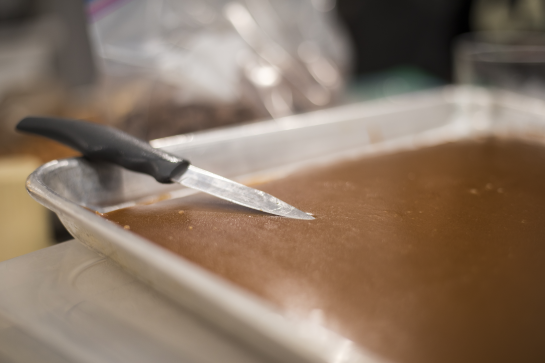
<point x="68" y="304"/>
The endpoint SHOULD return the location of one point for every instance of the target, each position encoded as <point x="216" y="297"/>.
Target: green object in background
<point x="391" y="82"/>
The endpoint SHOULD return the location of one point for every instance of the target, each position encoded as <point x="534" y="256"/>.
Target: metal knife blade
<point x="223" y="188"/>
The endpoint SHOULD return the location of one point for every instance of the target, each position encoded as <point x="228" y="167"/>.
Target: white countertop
<point x="66" y="303"/>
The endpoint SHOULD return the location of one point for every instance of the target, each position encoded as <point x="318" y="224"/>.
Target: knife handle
<point x="98" y="142"/>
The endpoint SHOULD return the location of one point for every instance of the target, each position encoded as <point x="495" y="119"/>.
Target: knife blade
<point x="104" y="143"/>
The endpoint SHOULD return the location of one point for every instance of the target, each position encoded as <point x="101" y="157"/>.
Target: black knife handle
<point x="105" y="143"/>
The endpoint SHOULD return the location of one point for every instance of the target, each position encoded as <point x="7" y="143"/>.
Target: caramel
<point x="430" y="255"/>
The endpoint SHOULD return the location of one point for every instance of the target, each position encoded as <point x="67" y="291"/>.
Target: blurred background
<point x="156" y="68"/>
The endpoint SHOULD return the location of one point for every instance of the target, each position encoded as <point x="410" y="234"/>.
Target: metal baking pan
<point x="73" y="188"/>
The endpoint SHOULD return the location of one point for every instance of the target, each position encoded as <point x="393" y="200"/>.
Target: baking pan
<point x="75" y="188"/>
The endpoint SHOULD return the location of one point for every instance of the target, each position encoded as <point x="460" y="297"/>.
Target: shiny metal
<point x="72" y="188"/>
<point x="237" y="193"/>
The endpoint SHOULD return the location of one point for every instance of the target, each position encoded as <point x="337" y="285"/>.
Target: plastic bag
<point x="171" y="66"/>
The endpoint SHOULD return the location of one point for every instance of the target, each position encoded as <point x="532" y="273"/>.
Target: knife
<point x="104" y="143"/>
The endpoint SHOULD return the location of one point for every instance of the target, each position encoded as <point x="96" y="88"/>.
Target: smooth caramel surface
<point x="433" y="255"/>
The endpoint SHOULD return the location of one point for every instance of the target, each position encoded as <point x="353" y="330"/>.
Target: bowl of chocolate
<point x="427" y="245"/>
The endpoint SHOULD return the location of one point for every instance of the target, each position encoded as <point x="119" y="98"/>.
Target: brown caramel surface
<point x="433" y="255"/>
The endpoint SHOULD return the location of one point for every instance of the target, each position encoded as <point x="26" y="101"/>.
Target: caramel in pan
<point x="432" y="255"/>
